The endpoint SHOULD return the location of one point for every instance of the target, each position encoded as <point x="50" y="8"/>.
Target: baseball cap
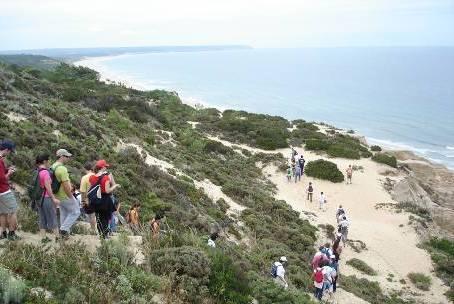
<point x="8" y="145"/>
<point x="63" y="152"/>
<point x="283" y="259"/>
<point x="102" y="164"/>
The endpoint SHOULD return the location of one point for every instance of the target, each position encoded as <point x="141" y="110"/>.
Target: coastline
<point x="111" y="76"/>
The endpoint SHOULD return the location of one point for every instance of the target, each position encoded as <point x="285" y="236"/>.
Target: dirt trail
<point x="391" y="243"/>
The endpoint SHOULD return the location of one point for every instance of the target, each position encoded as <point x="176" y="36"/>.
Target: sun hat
<point x="63" y="152"/>
<point x="8" y="145"/>
<point x="283" y="259"/>
<point x="102" y="164"/>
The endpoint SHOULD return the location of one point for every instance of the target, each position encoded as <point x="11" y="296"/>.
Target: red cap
<point x="102" y="164"/>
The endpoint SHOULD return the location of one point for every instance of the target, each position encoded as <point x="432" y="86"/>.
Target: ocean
<point x="399" y="98"/>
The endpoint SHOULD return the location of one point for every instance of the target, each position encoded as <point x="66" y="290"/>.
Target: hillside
<point x="204" y="169"/>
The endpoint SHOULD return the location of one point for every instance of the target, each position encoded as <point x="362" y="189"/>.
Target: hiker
<point x="349" y="174"/>
<point x="102" y="182"/>
<point x="343" y="228"/>
<point x="212" y="239"/>
<point x="319" y="258"/>
<point x="322" y="200"/>
<point x="318" y="283"/>
<point x="337" y="248"/>
<point x="289" y="173"/>
<point x="334" y="263"/>
<point x="8" y="202"/>
<point x="326" y="250"/>
<point x="69" y="208"/>
<point x="301" y="162"/>
<point x="340" y="212"/>
<point x="328" y="276"/>
<point x="278" y="272"/>
<point x="134" y="218"/>
<point x="47" y="205"/>
<point x="294" y="154"/>
<point x="297" y="173"/>
<point x="115" y="219"/>
<point x="77" y="195"/>
<point x="155" y="228"/>
<point x="310" y="192"/>
<point x="84" y="186"/>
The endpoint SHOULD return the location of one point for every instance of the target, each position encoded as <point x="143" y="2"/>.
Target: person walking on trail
<point x="212" y="239"/>
<point x="297" y="173"/>
<point x="328" y="277"/>
<point x="310" y="192"/>
<point x="349" y="174"/>
<point x="334" y="263"/>
<point x="301" y="163"/>
<point x="48" y="203"/>
<point x="84" y="186"/>
<point x="278" y="272"/>
<point x="322" y="201"/>
<point x="340" y="212"/>
<point x="319" y="258"/>
<point x="155" y="226"/>
<point x="337" y="248"/>
<point x="69" y="207"/>
<point x="134" y="218"/>
<point x="289" y="173"/>
<point x="343" y="228"/>
<point x="8" y="202"/>
<point x="100" y="196"/>
<point x="318" y="283"/>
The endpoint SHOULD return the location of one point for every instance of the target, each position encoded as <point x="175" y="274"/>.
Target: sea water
<point x="399" y="98"/>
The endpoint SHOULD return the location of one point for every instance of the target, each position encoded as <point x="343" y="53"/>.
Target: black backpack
<point x="55" y="184"/>
<point x="92" y="193"/>
<point x="35" y="191"/>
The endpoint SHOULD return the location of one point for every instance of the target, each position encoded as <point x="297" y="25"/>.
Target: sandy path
<point x="391" y="249"/>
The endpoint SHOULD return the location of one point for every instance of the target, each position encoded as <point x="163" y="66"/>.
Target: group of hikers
<point x="60" y="203"/>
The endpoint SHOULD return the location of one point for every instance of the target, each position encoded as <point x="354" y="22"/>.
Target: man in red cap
<point x="103" y="204"/>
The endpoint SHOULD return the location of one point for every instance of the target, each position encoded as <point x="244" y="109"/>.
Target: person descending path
<point x="155" y="226"/>
<point x="289" y="173"/>
<point x="297" y="173"/>
<point x="334" y="264"/>
<point x="8" y="202"/>
<point x="84" y="186"/>
<point x="212" y="239"/>
<point x="69" y="208"/>
<point x="48" y="203"/>
<point x="340" y="212"/>
<point x="328" y="277"/>
<point x="310" y="192"/>
<point x="337" y="248"/>
<point x="319" y="258"/>
<point x="278" y="272"/>
<point x="134" y="218"/>
<point x="100" y="196"/>
<point x="318" y="282"/>
<point x="349" y="174"/>
<point x="322" y="201"/>
<point x="301" y="162"/>
<point x="343" y="228"/>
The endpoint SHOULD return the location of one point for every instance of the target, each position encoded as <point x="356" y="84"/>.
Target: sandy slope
<point x="391" y="249"/>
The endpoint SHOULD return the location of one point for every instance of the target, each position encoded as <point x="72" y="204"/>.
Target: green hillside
<point x="68" y="107"/>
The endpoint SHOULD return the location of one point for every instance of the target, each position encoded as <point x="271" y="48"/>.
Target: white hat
<point x="283" y="259"/>
<point x="63" y="152"/>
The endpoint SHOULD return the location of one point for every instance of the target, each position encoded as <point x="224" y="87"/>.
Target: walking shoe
<point x="4" y="235"/>
<point x="64" y="235"/>
<point x="12" y="236"/>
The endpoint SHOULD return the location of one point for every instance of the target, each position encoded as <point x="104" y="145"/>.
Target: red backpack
<point x="318" y="277"/>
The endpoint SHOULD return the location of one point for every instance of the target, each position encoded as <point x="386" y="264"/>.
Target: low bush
<point x="317" y="144"/>
<point x="361" y="266"/>
<point x="420" y="280"/>
<point x="12" y="290"/>
<point x="375" y="148"/>
<point x="324" y="169"/>
<point x="385" y="159"/>
<point x="338" y="150"/>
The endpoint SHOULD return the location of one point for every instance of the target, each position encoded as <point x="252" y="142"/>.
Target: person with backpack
<point x="328" y="277"/>
<point x="278" y="272"/>
<point x="297" y="173"/>
<point x="318" y="283"/>
<point x="301" y="162"/>
<point x="310" y="192"/>
<point x="349" y="172"/>
<point x="8" y="202"/>
<point x="84" y="186"/>
<point x="340" y="212"/>
<point x="343" y="229"/>
<point x="61" y="186"/>
<point x="45" y="199"/>
<point x="102" y="186"/>
<point x="334" y="263"/>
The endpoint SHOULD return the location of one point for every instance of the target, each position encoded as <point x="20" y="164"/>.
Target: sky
<point x="29" y="24"/>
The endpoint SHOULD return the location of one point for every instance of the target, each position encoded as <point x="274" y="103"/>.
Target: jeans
<point x="318" y="293"/>
<point x="297" y="176"/>
<point x="69" y="213"/>
<point x="309" y="196"/>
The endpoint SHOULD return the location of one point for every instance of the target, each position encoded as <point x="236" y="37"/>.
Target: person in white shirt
<point x="343" y="228"/>
<point x="280" y="272"/>
<point x="322" y="201"/>
<point x="212" y="239"/>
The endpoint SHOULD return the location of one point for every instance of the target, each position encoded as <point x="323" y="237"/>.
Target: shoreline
<point x="108" y="75"/>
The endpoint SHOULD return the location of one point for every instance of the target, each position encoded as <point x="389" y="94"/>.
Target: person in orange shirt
<point x="134" y="218"/>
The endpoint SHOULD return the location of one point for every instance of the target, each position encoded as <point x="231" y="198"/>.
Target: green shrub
<point x="420" y="280"/>
<point x="339" y="150"/>
<point x="324" y="169"/>
<point x="361" y="266"/>
<point x="385" y="159"/>
<point x="228" y="283"/>
<point x="375" y="148"/>
<point x="12" y="290"/>
<point x="317" y="144"/>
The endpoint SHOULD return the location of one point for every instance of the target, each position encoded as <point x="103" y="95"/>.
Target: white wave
<point x="391" y="145"/>
<point x="450" y="147"/>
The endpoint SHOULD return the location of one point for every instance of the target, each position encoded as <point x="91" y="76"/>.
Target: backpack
<point x="94" y="193"/>
<point x="310" y="189"/>
<point x="318" y="277"/>
<point x="274" y="270"/>
<point x="35" y="191"/>
<point x="55" y="183"/>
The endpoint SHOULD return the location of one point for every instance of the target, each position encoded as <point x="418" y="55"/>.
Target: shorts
<point x="8" y="203"/>
<point x="47" y="215"/>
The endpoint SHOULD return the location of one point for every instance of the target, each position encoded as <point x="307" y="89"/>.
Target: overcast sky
<point x="28" y="24"/>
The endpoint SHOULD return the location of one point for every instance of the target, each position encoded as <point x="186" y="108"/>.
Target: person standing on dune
<point x="349" y="174"/>
<point x="322" y="200"/>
